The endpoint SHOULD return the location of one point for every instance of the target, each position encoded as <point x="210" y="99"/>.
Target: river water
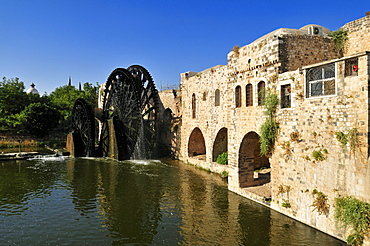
<point x="57" y="201"/>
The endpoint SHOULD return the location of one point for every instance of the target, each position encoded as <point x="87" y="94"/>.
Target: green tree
<point x="64" y="97"/>
<point x="13" y="100"/>
<point x="39" y="118"/>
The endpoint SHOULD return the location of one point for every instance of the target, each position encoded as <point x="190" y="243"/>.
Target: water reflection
<point x="105" y="202"/>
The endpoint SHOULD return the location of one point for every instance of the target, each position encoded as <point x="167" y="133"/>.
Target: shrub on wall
<point x="269" y="129"/>
<point x="339" y="38"/>
<point x="222" y="158"/>
<point x="355" y="214"/>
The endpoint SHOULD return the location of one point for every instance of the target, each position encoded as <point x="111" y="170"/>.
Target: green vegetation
<point x="350" y="137"/>
<point x="222" y="158"/>
<point x="320" y="155"/>
<point x="39" y="118"/>
<point x="342" y="138"/>
<point x="355" y="214"/>
<point x="285" y="204"/>
<point x="224" y="174"/>
<point x="339" y="37"/>
<point x="321" y="202"/>
<point x="22" y="113"/>
<point x="269" y="129"/>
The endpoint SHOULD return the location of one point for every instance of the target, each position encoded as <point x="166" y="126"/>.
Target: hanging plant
<point x="339" y="37"/>
<point x="269" y="129"/>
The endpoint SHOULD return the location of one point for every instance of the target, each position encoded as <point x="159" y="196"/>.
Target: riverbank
<point x="14" y="140"/>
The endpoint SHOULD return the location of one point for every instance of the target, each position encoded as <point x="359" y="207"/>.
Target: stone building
<point x="323" y="100"/>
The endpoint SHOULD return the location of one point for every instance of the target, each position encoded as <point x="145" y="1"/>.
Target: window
<point x="217" y="97"/>
<point x="261" y="92"/>
<point x="238" y="96"/>
<point x="204" y="96"/>
<point x="193" y="106"/>
<point x="320" y="81"/>
<point x="351" y="67"/>
<point x="286" y="96"/>
<point x="249" y="95"/>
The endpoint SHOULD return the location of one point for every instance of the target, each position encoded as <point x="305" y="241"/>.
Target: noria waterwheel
<point x="121" y="110"/>
<point x="83" y="129"/>
<point x="148" y="107"/>
<point x="128" y="117"/>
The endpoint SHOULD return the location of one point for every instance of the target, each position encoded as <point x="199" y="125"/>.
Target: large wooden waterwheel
<point x="148" y="107"/>
<point x="121" y="109"/>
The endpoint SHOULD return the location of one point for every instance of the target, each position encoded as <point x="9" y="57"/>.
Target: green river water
<point x="82" y="201"/>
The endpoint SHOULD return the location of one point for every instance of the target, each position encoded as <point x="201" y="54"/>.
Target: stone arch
<point x="220" y="144"/>
<point x="250" y="159"/>
<point x="196" y="144"/>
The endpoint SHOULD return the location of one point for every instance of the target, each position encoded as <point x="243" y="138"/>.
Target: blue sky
<point x="45" y="42"/>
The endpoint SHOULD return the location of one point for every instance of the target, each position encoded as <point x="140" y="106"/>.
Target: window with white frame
<point x="320" y="81"/>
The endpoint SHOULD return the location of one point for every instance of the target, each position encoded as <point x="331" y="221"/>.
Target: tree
<point x="64" y="97"/>
<point x="13" y="98"/>
<point x="39" y="118"/>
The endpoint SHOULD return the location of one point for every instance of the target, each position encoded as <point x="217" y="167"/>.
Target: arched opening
<point x="220" y="144"/>
<point x="250" y="160"/>
<point x="249" y="95"/>
<point x="217" y="97"/>
<point x="261" y="92"/>
<point x="196" y="145"/>
<point x="193" y="106"/>
<point x="238" y="96"/>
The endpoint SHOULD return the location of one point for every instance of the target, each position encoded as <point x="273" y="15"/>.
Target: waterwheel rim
<point x="121" y="105"/>
<point x="149" y="104"/>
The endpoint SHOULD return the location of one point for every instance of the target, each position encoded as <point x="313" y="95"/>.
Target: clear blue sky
<point x="45" y="42"/>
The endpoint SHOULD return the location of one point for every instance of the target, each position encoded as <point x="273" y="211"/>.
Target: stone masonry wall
<point x="316" y="120"/>
<point x="306" y="126"/>
<point x="358" y="36"/>
<point x="302" y="50"/>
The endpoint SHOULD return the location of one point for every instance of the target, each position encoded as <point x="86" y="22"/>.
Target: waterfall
<point x="140" y="152"/>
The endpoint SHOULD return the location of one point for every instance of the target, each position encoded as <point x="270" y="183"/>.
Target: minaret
<point x="69" y="81"/>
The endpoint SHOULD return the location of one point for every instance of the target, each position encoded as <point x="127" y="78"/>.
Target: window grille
<point x="320" y="81"/>
<point x="286" y="96"/>
<point x="351" y="67"/>
<point x="249" y="95"/>
<point x="217" y="97"/>
<point x="261" y="92"/>
<point x="238" y="101"/>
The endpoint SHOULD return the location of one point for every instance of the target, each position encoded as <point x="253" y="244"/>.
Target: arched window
<point x="238" y="96"/>
<point x="217" y="97"/>
<point x="249" y="95"/>
<point x="261" y="92"/>
<point x="193" y="106"/>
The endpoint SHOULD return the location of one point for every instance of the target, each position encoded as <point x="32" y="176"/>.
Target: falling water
<point x="140" y="152"/>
